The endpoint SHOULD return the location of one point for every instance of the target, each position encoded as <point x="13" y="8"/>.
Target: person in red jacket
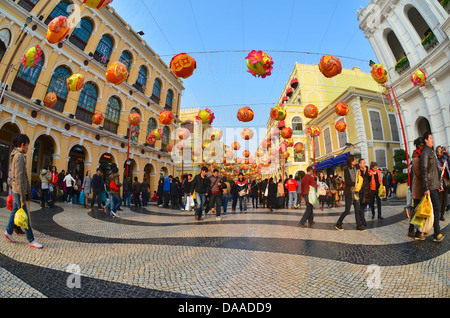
<point x="374" y="183"/>
<point x="307" y="181"/>
<point x="53" y="183"/>
<point x="292" y="185"/>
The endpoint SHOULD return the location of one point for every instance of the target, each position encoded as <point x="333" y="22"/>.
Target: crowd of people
<point x="360" y="187"/>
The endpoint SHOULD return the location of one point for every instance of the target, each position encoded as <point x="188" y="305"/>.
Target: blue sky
<point x="221" y="81"/>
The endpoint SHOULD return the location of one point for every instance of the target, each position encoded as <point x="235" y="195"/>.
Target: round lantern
<point x="379" y="73"/>
<point x="134" y="119"/>
<point x="259" y="64"/>
<point x="238" y="161"/>
<point x="183" y="65"/>
<point x="311" y="111"/>
<point x="117" y="73"/>
<point x="419" y="78"/>
<point x="32" y="56"/>
<point x="245" y="114"/>
<point x="247" y="134"/>
<point x="50" y="99"/>
<point x="183" y="133"/>
<point x="246" y="153"/>
<point x="97" y="4"/>
<point x="289" y="142"/>
<point x="97" y="118"/>
<point x="179" y="145"/>
<point x="216" y="134"/>
<point x="341" y="126"/>
<point x="75" y="82"/>
<point x="151" y="140"/>
<point x="299" y="147"/>
<point x="58" y="29"/>
<point x="278" y="113"/>
<point x="287" y="132"/>
<point x="166" y="117"/>
<point x="157" y="133"/>
<point x="342" y="109"/>
<point x="169" y="148"/>
<point x="286" y="155"/>
<point x="314" y="131"/>
<point x="236" y="146"/>
<point x="330" y="66"/>
<point x="206" y="116"/>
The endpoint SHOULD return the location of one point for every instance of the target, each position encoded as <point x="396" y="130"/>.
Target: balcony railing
<point x="430" y="42"/>
<point x="445" y="4"/>
<point x="402" y="65"/>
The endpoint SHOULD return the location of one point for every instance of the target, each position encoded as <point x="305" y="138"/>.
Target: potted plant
<point x="400" y="177"/>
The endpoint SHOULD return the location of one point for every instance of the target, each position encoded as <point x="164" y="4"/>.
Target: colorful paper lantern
<point x="278" y="113"/>
<point x="342" y="109"/>
<point x="379" y="73"/>
<point x="245" y="114"/>
<point x="97" y="4"/>
<point x="183" y="65"/>
<point x="216" y="134"/>
<point x="157" y="133"/>
<point x="166" y="117"/>
<point x="341" y="126"/>
<point x="97" y="118"/>
<point x="151" y="140"/>
<point x="287" y="132"/>
<point x="419" y="78"/>
<point x="50" y="99"/>
<point x="134" y="119"/>
<point x="205" y="116"/>
<point x="247" y="134"/>
<point x="179" y="145"/>
<point x="286" y="155"/>
<point x="117" y="73"/>
<point x="311" y="111"/>
<point x="314" y="131"/>
<point x="32" y="56"/>
<point x="184" y="133"/>
<point x="235" y="145"/>
<point x="169" y="148"/>
<point x="330" y="66"/>
<point x="58" y="29"/>
<point x="75" y="82"/>
<point x="259" y="64"/>
<point x="289" y="142"/>
<point x="299" y="147"/>
<point x="246" y="153"/>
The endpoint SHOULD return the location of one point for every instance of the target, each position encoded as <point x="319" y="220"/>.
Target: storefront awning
<point x="332" y="162"/>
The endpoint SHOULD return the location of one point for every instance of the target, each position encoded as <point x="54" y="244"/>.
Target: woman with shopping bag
<point x="377" y="189"/>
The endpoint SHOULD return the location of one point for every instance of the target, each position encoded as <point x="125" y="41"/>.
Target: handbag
<point x="242" y="193"/>
<point x="425" y="208"/>
<point x="266" y="192"/>
<point x="382" y="191"/>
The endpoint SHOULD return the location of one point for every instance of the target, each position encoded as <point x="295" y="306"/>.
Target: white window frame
<point x="370" y="123"/>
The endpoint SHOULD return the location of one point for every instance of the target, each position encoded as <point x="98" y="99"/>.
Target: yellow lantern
<point x="259" y="64"/>
<point x="75" y="82"/>
<point x="32" y="56"/>
<point x="58" y="29"/>
<point x="97" y="4"/>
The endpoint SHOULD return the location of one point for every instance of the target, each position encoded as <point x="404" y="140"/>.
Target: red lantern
<point x="51" y="99"/>
<point x="341" y="126"/>
<point x="97" y="119"/>
<point x="134" y="119"/>
<point x="245" y="114"/>
<point x="183" y="65"/>
<point x="246" y="153"/>
<point x="287" y="132"/>
<point x="166" y="117"/>
<point x="342" y="109"/>
<point x="330" y="66"/>
<point x="299" y="147"/>
<point x="278" y="113"/>
<point x="311" y="111"/>
<point x="247" y="134"/>
<point x="236" y="146"/>
<point x="117" y="73"/>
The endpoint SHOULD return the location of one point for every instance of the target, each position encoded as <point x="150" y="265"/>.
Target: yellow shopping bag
<point x="21" y="218"/>
<point x="382" y="191"/>
<point x="193" y="195"/>
<point x="425" y="208"/>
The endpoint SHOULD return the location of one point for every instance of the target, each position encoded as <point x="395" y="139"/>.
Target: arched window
<point x="5" y="38"/>
<point x="135" y="130"/>
<point x="80" y="36"/>
<point x="26" y="79"/>
<point x="112" y="117"/>
<point x="64" y="8"/>
<point x="126" y="59"/>
<point x="58" y="85"/>
<point x="104" y="49"/>
<point x="152" y="125"/>
<point x="169" y="99"/>
<point x="28" y="4"/>
<point x="398" y="52"/>
<point x="427" y="36"/>
<point x="141" y="80"/>
<point x="297" y="125"/>
<point x="165" y="138"/>
<point x="156" y="94"/>
<point x="87" y="103"/>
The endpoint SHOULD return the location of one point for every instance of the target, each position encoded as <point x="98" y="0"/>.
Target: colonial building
<point x="407" y="35"/>
<point x="64" y="135"/>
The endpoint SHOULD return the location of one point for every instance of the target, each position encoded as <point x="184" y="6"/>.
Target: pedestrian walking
<point x="98" y="186"/>
<point x="53" y="183"/>
<point x="45" y="182"/>
<point x="187" y="183"/>
<point x="332" y="192"/>
<point x="127" y="190"/>
<point x="225" y="194"/>
<point x="137" y="192"/>
<point x="174" y="193"/>
<point x="375" y="181"/>
<point x="166" y="190"/>
<point x="443" y="164"/>
<point x="254" y="194"/>
<point x="416" y="185"/>
<point x="351" y="197"/>
<point x="242" y="190"/>
<point x="86" y="188"/>
<point x="200" y="185"/>
<point x="271" y="197"/>
<point x="292" y="186"/>
<point x="280" y="194"/>
<point x="69" y="182"/>
<point x="145" y="188"/>
<point x="114" y="188"/>
<point x="431" y="182"/>
<point x="160" y="192"/>
<point x="307" y="182"/>
<point x="215" y="194"/>
<point x="322" y="189"/>
<point x="21" y="189"/>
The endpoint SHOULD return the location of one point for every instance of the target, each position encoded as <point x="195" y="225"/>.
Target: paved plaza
<point x="155" y="252"/>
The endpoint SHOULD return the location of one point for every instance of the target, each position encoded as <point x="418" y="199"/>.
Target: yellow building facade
<point x="307" y="85"/>
<point x="64" y="135"/>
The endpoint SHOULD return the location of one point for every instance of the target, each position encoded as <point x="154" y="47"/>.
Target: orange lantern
<point x="97" y="118"/>
<point x="117" y="73"/>
<point x="287" y="132"/>
<point x="289" y="142"/>
<point x="330" y="66"/>
<point x="246" y="153"/>
<point x="183" y="65"/>
<point x="184" y="133"/>
<point x="166" y="117"/>
<point x="97" y="4"/>
<point x="299" y="147"/>
<point x="75" y="82"/>
<point x="286" y="155"/>
<point x="247" y="134"/>
<point x="341" y="126"/>
<point x="51" y="99"/>
<point x="379" y="73"/>
<point x="134" y="119"/>
<point x="58" y="29"/>
<point x="311" y="111"/>
<point x="245" y="114"/>
<point x="236" y="146"/>
<point x="342" y="109"/>
<point x="278" y="113"/>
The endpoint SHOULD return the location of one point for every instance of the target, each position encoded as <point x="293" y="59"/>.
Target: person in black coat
<point x="272" y="197"/>
<point x="174" y="193"/>
<point x="160" y="192"/>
